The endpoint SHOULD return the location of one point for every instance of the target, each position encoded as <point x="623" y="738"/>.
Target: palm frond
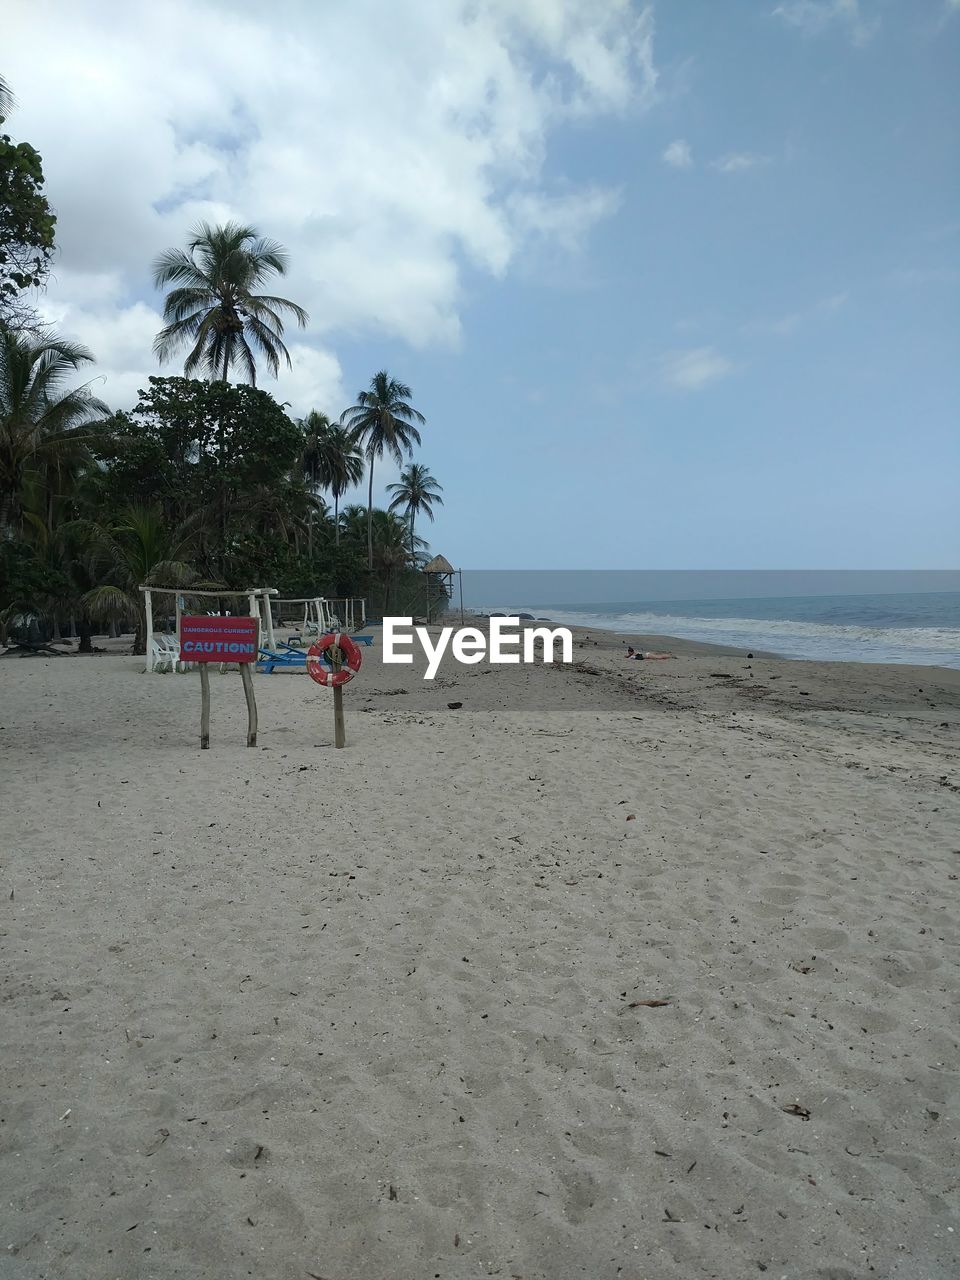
<point x="109" y="603"/>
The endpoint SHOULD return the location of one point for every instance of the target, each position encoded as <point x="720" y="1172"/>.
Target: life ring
<point x="321" y="669"/>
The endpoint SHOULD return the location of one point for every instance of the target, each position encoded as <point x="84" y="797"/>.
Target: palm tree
<point x="353" y="525"/>
<point x="39" y="421"/>
<point x="415" y="491"/>
<point x="331" y="460"/>
<point x="215" y="306"/>
<point x="7" y="100"/>
<point x="140" y="550"/>
<point x="383" y="421"/>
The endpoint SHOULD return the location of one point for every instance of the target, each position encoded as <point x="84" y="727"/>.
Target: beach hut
<point x="440" y="574"/>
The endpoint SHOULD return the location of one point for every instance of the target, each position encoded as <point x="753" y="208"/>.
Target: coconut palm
<point x="40" y="421"/>
<point x="215" y="306"/>
<point x="392" y="553"/>
<point x="331" y="460"/>
<point x="141" y="549"/>
<point x="382" y="421"/>
<point x="415" y="491"/>
<point x="7" y="100"/>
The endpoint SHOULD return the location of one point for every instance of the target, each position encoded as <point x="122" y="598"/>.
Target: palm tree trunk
<point x="223" y="484"/>
<point x="140" y="634"/>
<point x="370" y="519"/>
<point x="8" y="513"/>
<point x="313" y="494"/>
<point x="413" y="516"/>
<point x="336" y="517"/>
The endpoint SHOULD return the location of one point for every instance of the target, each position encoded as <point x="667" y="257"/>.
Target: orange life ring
<point x="321" y="669"/>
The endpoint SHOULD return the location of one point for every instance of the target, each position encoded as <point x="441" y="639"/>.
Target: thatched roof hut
<point x="439" y="564"/>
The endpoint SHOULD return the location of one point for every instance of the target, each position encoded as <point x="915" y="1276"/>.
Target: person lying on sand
<point x="640" y="657"/>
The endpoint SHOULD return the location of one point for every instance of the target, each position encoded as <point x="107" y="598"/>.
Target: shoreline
<point x="710" y="646"/>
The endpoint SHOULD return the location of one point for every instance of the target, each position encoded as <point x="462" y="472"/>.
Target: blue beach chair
<point x="286" y="659"/>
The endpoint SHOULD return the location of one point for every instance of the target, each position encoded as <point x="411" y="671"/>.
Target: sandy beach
<point x="624" y="971"/>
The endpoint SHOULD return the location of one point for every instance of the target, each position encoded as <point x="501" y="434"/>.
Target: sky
<point x="674" y="284"/>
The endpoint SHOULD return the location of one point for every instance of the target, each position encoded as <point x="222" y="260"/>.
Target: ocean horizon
<point x="921" y="628"/>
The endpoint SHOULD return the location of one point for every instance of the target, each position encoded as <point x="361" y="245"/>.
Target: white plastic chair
<point x="166" y="654"/>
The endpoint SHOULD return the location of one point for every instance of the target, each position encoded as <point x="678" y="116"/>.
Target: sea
<point x="918" y="627"/>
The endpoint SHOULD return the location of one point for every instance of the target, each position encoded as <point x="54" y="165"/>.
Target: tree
<point x="415" y="491"/>
<point x="26" y="222"/>
<point x="197" y="447"/>
<point x="382" y="420"/>
<point x="40" y="423"/>
<point x="331" y="459"/>
<point x="215" y="306"/>
<point x="141" y="549"/>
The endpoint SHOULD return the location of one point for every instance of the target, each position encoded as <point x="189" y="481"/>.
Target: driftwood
<point x="31" y="649"/>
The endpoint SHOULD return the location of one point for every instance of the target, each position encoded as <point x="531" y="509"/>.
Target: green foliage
<point x="383" y="421"/>
<point x="215" y="305"/>
<point x="331" y="458"/>
<point x="416" y="491"/>
<point x="27" y="225"/>
<point x="41" y="421"/>
<point x="28" y="580"/>
<point x="190" y="445"/>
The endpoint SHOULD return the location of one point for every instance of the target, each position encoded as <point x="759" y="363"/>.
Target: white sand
<point x="250" y="996"/>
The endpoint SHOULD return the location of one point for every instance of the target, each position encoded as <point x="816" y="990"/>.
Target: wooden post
<point x="268" y="622"/>
<point x="339" y="730"/>
<point x="247" y="679"/>
<point x="204" y="706"/>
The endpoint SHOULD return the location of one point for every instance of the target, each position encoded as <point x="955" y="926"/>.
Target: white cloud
<point x="693" y="369"/>
<point x="812" y="17"/>
<point x="384" y="145"/>
<point x="739" y="162"/>
<point x="925" y="275"/>
<point x="786" y="325"/>
<point x="678" y="155"/>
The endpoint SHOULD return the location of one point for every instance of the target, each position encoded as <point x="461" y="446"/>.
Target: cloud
<point x="925" y="275"/>
<point x="739" y="162"/>
<point x="388" y="147"/>
<point x="786" y="325"/>
<point x="694" y="369"/>
<point x="678" y="155"/>
<point x="813" y="17"/>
